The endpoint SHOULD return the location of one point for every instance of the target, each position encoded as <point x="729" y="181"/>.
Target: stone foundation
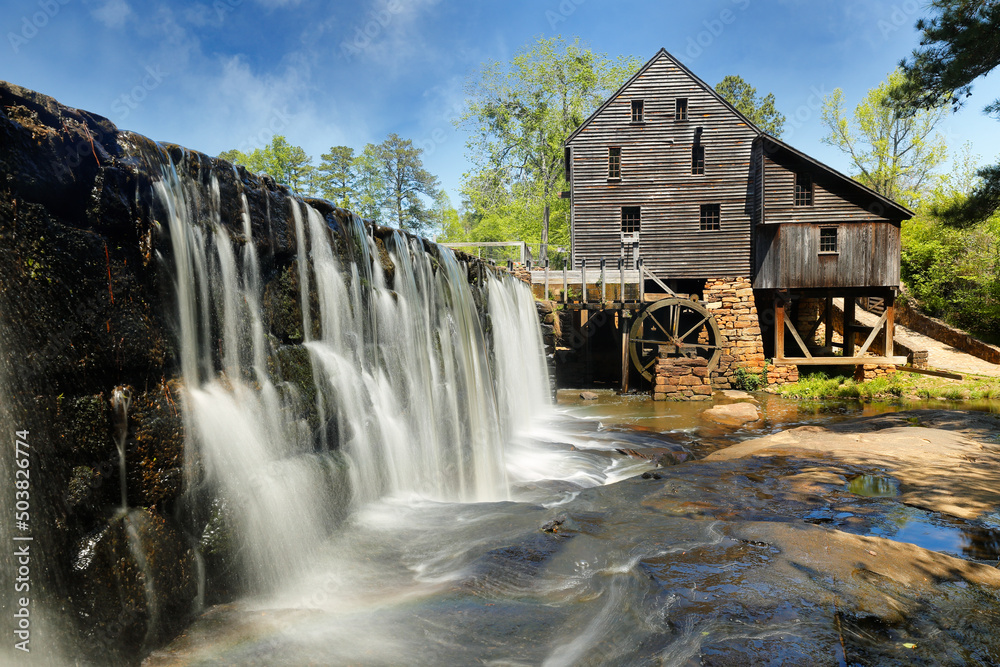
<point x="681" y="379"/>
<point x="731" y="301"/>
<point x="872" y="371"/>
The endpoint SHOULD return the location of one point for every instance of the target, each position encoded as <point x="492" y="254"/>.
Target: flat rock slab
<point x="588" y="396"/>
<point x="733" y="414"/>
<point x="737" y="395"/>
<point x="945" y="461"/>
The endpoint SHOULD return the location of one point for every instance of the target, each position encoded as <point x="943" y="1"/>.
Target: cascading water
<point x="121" y="399"/>
<point x="406" y="387"/>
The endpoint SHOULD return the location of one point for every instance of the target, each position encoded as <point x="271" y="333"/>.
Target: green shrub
<point x="747" y="381"/>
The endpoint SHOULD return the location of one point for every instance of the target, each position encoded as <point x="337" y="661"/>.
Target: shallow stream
<point x="601" y="558"/>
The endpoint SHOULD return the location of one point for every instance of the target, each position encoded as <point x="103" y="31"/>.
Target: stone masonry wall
<point x="681" y="379"/>
<point x="732" y="302"/>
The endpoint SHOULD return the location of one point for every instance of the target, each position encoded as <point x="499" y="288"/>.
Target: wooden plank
<point x="795" y="334"/>
<point x="840" y="361"/>
<point x="927" y="371"/>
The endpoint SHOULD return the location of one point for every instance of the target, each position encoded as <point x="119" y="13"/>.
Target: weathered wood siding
<point x="788" y="257"/>
<point x="831" y="201"/>
<point x="656" y="175"/>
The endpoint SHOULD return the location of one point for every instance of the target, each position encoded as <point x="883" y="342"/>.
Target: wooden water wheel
<point x="683" y="327"/>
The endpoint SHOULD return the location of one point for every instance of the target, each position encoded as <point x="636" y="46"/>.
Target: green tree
<point x="519" y="114"/>
<point x="369" y="185"/>
<point x="449" y="223"/>
<point x="958" y="45"/>
<point x="406" y="182"/>
<point x="892" y="152"/>
<point x="760" y="110"/>
<point x="336" y="175"/>
<point x="285" y="163"/>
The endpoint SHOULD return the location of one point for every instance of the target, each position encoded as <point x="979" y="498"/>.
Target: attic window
<point x="614" y="162"/>
<point x="803" y="190"/>
<point x="631" y="217"/>
<point x="681" y="109"/>
<point x="637" y="111"/>
<point x="711" y="217"/>
<point x="698" y="159"/>
<point x="827" y="240"/>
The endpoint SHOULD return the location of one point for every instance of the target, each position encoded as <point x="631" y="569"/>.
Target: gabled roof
<point x="662" y="53"/>
<point x="901" y="212"/>
<point x="850" y="183"/>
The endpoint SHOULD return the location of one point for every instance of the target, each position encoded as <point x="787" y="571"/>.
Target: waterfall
<point x="411" y="387"/>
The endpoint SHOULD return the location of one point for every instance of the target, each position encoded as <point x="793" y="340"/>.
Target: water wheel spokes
<point x="659" y="327"/>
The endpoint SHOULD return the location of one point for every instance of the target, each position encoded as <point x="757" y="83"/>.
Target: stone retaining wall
<point x="939" y="331"/>
<point x="681" y="379"/>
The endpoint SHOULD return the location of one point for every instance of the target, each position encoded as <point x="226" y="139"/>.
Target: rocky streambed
<point x="864" y="541"/>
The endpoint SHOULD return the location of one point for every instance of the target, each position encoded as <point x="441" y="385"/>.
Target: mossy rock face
<point x="134" y="585"/>
<point x="84" y="427"/>
<point x="155" y="447"/>
<point x="282" y="311"/>
<point x="291" y="366"/>
<point x="385" y="261"/>
<point x="220" y="549"/>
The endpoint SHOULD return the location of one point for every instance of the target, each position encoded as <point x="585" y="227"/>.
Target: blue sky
<point x="220" y="74"/>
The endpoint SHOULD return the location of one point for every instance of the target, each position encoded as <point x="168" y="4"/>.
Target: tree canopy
<point x="386" y="182"/>
<point x="285" y="163"/>
<point x="760" y="110"/>
<point x="892" y="152"/>
<point x="519" y="113"/>
<point x="959" y="44"/>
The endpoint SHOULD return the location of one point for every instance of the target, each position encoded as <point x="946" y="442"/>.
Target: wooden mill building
<point x="758" y="235"/>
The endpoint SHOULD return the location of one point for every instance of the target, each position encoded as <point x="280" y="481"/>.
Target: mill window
<point x="711" y="217"/>
<point x="803" y="190"/>
<point x="828" y="239"/>
<point x="681" y="109"/>
<point x="698" y="159"/>
<point x="615" y="162"/>
<point x="631" y="218"/>
<point x="637" y="111"/>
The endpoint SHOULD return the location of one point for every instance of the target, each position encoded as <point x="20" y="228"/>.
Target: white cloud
<point x="112" y="13"/>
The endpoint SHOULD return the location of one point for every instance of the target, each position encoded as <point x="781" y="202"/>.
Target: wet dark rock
<point x="133" y="585"/>
<point x="652" y="475"/>
<point x="553" y="525"/>
<point x="88" y="304"/>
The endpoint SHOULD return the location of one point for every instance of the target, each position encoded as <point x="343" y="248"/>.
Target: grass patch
<point x="910" y="386"/>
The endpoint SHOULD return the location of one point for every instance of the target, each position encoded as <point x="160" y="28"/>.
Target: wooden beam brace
<point x="871" y="337"/>
<point x="656" y="280"/>
<point x="795" y="334"/>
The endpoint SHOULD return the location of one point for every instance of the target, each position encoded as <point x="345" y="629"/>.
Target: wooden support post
<point x="621" y="279"/>
<point x="546" y="280"/>
<point x="828" y="322"/>
<point x="604" y="281"/>
<point x="849" y="313"/>
<point x="624" y="324"/>
<point x="779" y="328"/>
<point x="890" y="325"/>
<point x="642" y="279"/>
<point x="565" y="285"/>
<point x="583" y="280"/>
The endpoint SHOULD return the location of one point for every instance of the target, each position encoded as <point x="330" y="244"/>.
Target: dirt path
<point x="939" y="355"/>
